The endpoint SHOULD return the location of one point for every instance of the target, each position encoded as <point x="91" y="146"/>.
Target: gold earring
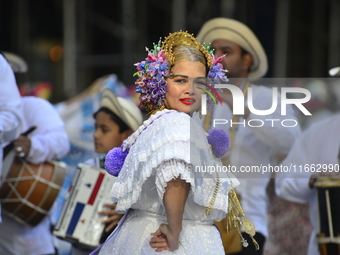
<point x="162" y="107"/>
<point x="156" y="110"/>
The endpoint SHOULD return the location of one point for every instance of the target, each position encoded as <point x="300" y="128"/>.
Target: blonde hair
<point x="181" y="53"/>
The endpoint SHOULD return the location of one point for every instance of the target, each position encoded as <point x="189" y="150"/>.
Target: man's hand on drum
<point x="315" y="177"/>
<point x="113" y="216"/>
<point x="22" y="146"/>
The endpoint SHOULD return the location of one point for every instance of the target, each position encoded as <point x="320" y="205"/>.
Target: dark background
<point x="70" y="43"/>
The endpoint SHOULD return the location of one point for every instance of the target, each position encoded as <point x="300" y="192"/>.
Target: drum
<point x="328" y="197"/>
<point x="79" y="221"/>
<point x="28" y="191"/>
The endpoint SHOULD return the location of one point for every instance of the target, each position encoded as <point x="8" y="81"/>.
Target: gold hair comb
<point x="183" y="39"/>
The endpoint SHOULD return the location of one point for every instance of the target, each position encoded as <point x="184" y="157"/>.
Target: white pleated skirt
<point x="134" y="236"/>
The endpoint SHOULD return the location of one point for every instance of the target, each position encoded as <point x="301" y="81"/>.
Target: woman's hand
<point x="113" y="216"/>
<point x="164" y="240"/>
<point x="174" y="198"/>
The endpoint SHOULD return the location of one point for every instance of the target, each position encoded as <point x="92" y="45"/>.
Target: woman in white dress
<point x="169" y="197"/>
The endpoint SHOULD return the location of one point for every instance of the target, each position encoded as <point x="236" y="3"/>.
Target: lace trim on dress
<point x="169" y="136"/>
<point x="201" y="193"/>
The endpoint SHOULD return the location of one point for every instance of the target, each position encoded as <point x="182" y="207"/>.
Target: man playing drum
<point x="315" y="154"/>
<point x="10" y="106"/>
<point x="48" y="142"/>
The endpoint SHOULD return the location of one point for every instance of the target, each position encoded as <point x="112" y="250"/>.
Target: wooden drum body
<point x="29" y="191"/>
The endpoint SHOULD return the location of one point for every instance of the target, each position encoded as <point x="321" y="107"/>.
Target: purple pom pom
<point x="114" y="160"/>
<point x="219" y="141"/>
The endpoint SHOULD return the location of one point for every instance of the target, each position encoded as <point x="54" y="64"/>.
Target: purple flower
<point x="164" y="67"/>
<point x="217" y="73"/>
<point x="219" y="141"/>
<point x="114" y="160"/>
<point x="152" y="72"/>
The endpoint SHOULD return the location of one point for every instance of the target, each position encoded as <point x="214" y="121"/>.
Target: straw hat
<point x="236" y="32"/>
<point x="17" y="63"/>
<point x="126" y="110"/>
<point x="335" y="71"/>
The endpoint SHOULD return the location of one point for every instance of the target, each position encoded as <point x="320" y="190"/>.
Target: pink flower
<point x="152" y="58"/>
<point x="161" y="56"/>
<point x="218" y="60"/>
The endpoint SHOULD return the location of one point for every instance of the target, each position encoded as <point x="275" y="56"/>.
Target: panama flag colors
<point x="79" y="221"/>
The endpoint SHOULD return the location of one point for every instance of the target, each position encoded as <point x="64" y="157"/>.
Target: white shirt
<point x="319" y="144"/>
<point x="10" y="106"/>
<point x="255" y="146"/>
<point x="49" y="141"/>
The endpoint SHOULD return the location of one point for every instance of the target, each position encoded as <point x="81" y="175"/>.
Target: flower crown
<point x="151" y="72"/>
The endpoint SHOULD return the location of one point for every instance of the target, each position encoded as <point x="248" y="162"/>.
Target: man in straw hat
<point x="245" y="56"/>
<point x="246" y="60"/>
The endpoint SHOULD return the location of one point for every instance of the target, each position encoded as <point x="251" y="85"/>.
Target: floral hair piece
<point x="151" y="82"/>
<point x="151" y="72"/>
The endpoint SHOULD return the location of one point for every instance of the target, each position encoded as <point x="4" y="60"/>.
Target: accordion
<point x="79" y="221"/>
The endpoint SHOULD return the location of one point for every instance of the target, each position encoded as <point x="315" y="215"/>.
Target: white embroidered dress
<point x="168" y="145"/>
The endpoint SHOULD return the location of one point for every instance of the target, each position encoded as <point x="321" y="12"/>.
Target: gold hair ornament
<point x="183" y="39"/>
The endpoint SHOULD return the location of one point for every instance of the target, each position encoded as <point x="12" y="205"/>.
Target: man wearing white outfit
<point x="319" y="144"/>
<point x="250" y="146"/>
<point x="47" y="142"/>
<point x="10" y="107"/>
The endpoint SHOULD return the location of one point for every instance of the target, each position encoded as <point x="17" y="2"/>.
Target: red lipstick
<point x="188" y="100"/>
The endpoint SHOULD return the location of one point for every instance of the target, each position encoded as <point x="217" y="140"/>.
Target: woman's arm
<point x="175" y="196"/>
<point x="167" y="235"/>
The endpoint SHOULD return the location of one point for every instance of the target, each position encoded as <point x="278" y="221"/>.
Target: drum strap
<point x="10" y="146"/>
